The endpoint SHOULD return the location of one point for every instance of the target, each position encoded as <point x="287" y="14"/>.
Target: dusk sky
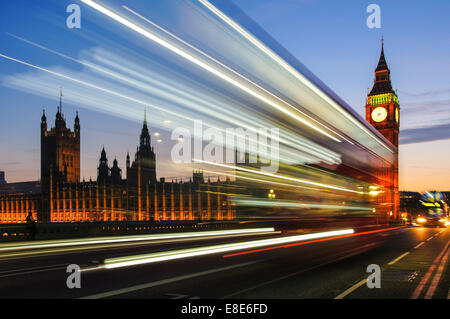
<point x="329" y="37"/>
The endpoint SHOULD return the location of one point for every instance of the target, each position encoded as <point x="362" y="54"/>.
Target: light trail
<point x="102" y="88"/>
<point x="290" y="69"/>
<point x="165" y="110"/>
<point x="280" y="203"/>
<point x="199" y="63"/>
<point x="234" y="72"/>
<point x="128" y="261"/>
<point x="278" y="176"/>
<point x="107" y="240"/>
<point x="312" y="241"/>
<point x="263" y="181"/>
<point x="295" y="142"/>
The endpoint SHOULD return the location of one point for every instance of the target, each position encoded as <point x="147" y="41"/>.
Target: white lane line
<point x="164" y="281"/>
<point x="437" y="277"/>
<point x="177" y="296"/>
<point x="419" y="245"/>
<point x="350" y="253"/>
<point x="359" y="284"/>
<point x="398" y="258"/>
<point x="32" y="272"/>
<point x="30" y="269"/>
<point x="351" y="289"/>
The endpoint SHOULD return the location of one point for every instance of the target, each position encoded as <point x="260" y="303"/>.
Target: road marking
<point x="359" y="284"/>
<point x="427" y="276"/>
<point x="398" y="258"/>
<point x="32" y="272"/>
<point x="164" y="281"/>
<point x="30" y="269"/>
<point x="351" y="289"/>
<point x="437" y="276"/>
<point x="350" y="253"/>
<point x="180" y="296"/>
<point x="177" y="296"/>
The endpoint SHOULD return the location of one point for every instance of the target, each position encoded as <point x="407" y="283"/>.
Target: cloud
<point x="420" y="105"/>
<point x="434" y="113"/>
<point x="426" y="93"/>
<point x="425" y="134"/>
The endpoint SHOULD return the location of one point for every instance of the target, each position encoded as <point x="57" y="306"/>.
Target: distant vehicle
<point x="435" y="212"/>
<point x="407" y="218"/>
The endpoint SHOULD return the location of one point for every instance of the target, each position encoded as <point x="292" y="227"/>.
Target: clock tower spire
<point x="383" y="113"/>
<point x="382" y="105"/>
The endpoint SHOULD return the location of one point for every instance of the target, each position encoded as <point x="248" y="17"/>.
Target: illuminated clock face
<point x="396" y="115"/>
<point x="379" y="114"/>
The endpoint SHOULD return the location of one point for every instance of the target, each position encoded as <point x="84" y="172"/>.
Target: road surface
<point x="413" y="263"/>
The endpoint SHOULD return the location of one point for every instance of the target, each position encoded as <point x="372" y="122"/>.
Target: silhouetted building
<point x="143" y="169"/>
<point x="32" y="187"/>
<point x="2" y="178"/>
<point x="197" y="177"/>
<point x="107" y="175"/>
<point x="410" y="202"/>
<point x="61" y="197"/>
<point x="60" y="151"/>
<point x="103" y="169"/>
<point x="116" y="173"/>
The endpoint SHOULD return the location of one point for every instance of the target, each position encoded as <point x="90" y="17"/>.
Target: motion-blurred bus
<point x="435" y="210"/>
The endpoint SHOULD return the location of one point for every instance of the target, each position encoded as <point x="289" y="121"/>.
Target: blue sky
<point x="329" y="37"/>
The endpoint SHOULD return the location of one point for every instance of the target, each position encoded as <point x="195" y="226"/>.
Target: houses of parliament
<point x="138" y="197"/>
<point x="62" y="197"/>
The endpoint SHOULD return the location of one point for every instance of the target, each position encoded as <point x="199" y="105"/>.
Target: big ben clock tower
<point x="383" y="113"/>
<point x="382" y="105"/>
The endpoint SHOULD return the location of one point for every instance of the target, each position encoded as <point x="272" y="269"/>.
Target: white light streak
<point x="108" y="240"/>
<point x="201" y="251"/>
<point x="199" y="63"/>
<point x="278" y="203"/>
<point x="318" y="152"/>
<point x="290" y="69"/>
<point x="278" y="176"/>
<point x="234" y="72"/>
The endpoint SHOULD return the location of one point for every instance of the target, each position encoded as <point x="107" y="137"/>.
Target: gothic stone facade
<point x="139" y="197"/>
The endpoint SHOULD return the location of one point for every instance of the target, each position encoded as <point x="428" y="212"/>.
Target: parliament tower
<point x="383" y="113"/>
<point x="60" y="151"/>
<point x="143" y="169"/>
<point x="382" y="105"/>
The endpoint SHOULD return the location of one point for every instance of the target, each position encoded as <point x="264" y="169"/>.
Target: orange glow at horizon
<point x="425" y="166"/>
